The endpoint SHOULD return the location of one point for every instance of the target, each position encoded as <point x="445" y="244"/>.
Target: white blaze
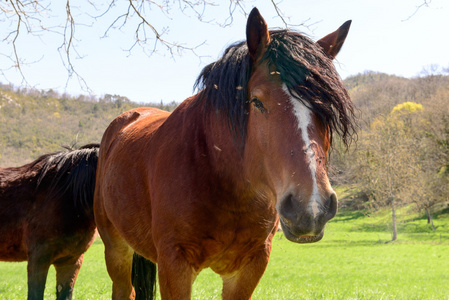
<point x="304" y="118"/>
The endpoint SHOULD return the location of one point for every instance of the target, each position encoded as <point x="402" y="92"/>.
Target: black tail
<point x="143" y="276"/>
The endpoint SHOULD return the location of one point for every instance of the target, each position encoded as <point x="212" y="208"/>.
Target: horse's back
<point x="126" y="138"/>
<point x="128" y="119"/>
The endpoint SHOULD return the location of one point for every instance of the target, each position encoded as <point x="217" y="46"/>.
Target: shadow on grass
<point x="350" y="215"/>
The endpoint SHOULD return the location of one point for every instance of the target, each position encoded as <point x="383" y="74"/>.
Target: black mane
<point x="305" y="69"/>
<point x="225" y="86"/>
<point x="71" y="173"/>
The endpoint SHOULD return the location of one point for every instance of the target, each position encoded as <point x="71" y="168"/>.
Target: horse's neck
<point x="210" y="142"/>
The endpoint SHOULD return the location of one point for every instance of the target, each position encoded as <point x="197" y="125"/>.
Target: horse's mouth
<point x="302" y="239"/>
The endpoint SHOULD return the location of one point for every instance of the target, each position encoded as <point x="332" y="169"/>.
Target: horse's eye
<point x="258" y="104"/>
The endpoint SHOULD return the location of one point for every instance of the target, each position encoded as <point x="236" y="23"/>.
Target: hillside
<point x="34" y="122"/>
<point x="376" y="94"/>
<point x="401" y="158"/>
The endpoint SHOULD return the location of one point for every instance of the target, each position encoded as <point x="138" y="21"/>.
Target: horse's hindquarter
<point x="14" y="209"/>
<point x="121" y="193"/>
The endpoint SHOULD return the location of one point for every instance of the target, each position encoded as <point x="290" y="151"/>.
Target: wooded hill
<point x="34" y="122"/>
<point x="401" y="156"/>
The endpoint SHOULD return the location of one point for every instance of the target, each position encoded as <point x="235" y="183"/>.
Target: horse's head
<point x="296" y="101"/>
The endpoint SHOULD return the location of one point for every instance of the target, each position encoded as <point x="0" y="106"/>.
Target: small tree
<point x="388" y="160"/>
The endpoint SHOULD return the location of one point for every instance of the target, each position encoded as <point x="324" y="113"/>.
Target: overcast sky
<point x="385" y="36"/>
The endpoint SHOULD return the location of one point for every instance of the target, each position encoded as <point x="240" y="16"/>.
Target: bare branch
<point x="16" y="35"/>
<point x="144" y="21"/>
<point x="424" y="4"/>
<point x="231" y="9"/>
<point x="141" y="36"/>
<point x="110" y="6"/>
<point x="279" y="12"/>
<point x="67" y="46"/>
<point x="26" y="17"/>
<point x="31" y="17"/>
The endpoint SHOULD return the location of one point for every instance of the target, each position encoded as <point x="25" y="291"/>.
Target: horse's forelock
<point x="311" y="77"/>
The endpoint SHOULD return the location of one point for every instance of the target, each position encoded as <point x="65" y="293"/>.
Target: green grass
<point x="355" y="260"/>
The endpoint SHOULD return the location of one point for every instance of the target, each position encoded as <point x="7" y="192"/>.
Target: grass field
<point x="355" y="260"/>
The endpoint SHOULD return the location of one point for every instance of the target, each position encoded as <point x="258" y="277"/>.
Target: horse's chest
<point x="229" y="250"/>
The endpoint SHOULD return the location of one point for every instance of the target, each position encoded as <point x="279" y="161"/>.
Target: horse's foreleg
<point x="241" y="285"/>
<point x="176" y="276"/>
<point x="37" y="276"/>
<point x="66" y="273"/>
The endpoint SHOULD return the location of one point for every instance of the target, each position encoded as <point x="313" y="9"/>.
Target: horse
<point x="46" y="216"/>
<point x="207" y="185"/>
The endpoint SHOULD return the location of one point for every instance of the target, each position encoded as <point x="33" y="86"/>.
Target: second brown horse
<point x="46" y="217"/>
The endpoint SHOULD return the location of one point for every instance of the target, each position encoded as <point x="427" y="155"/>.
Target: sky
<point x="386" y="36"/>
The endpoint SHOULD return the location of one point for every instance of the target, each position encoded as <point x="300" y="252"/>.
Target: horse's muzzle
<point x="300" y="223"/>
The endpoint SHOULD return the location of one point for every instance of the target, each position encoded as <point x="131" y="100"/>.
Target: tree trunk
<point x="430" y="218"/>
<point x="393" y="210"/>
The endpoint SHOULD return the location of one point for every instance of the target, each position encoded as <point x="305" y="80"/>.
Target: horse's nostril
<point x="331" y="210"/>
<point x="287" y="208"/>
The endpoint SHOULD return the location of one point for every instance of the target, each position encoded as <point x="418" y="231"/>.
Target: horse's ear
<point x="333" y="42"/>
<point x="257" y="36"/>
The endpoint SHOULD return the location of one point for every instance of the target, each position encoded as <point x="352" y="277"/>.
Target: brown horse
<point x="46" y="216"/>
<point x="206" y="186"/>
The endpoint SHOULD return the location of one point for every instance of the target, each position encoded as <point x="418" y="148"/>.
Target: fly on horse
<point x="207" y="185"/>
<point x="46" y="216"/>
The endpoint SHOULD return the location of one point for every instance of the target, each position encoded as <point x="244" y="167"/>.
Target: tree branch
<point x="424" y="4"/>
<point x="67" y="46"/>
<point x="31" y="17"/>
